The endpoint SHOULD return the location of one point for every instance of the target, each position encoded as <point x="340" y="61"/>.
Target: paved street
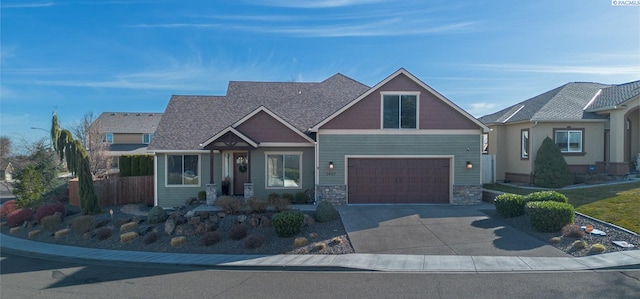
<point x="23" y="277"/>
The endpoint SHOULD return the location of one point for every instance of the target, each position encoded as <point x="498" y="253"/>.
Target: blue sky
<point x="131" y="56"/>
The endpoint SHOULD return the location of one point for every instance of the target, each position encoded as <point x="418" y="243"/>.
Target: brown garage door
<point x="405" y="180"/>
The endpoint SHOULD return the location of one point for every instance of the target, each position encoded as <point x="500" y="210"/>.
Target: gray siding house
<point x="399" y="141"/>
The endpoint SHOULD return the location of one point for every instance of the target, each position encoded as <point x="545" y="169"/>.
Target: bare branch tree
<point x="89" y="133"/>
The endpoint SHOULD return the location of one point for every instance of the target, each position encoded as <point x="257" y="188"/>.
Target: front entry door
<point x="240" y="172"/>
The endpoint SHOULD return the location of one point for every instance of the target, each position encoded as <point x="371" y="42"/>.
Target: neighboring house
<point x="125" y="133"/>
<point x="6" y="171"/>
<point x="399" y="141"/>
<point x="596" y="126"/>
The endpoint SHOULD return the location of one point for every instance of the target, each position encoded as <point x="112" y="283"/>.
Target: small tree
<point x="550" y="168"/>
<point x="28" y="187"/>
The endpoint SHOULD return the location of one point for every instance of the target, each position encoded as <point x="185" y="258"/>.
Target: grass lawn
<point x="618" y="204"/>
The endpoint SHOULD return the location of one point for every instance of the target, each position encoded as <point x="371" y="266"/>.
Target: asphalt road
<point x="23" y="277"/>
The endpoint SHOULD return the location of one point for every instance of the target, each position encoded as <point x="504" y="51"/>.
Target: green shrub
<point x="287" y="223"/>
<point x="124" y="163"/>
<point x="301" y="198"/>
<point x="546" y="196"/>
<point x="51" y="222"/>
<point x="230" y="204"/>
<point x="550" y="168"/>
<point x="325" y="212"/>
<point x="202" y="195"/>
<point x="19" y="216"/>
<point x="254" y="241"/>
<point x="257" y="205"/>
<point x="272" y="197"/>
<point x="29" y="187"/>
<point x="510" y="205"/>
<point x="281" y="204"/>
<point x="157" y="215"/>
<point x="83" y="224"/>
<point x="151" y="237"/>
<point x="103" y="233"/>
<point x="238" y="231"/>
<point x="288" y="196"/>
<point x="549" y="216"/>
<point x="211" y="238"/>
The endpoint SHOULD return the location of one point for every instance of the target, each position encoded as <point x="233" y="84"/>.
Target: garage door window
<point x="399" y="111"/>
<point x="283" y="170"/>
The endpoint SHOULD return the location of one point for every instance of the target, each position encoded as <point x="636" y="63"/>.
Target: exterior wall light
<point x="330" y="165"/>
<point x="469" y="165"/>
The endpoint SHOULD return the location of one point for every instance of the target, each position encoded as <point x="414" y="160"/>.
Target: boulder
<point x="169" y="226"/>
<point x="185" y="230"/>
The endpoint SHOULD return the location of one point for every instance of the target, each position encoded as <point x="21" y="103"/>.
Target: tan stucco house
<point x="596" y="126"/>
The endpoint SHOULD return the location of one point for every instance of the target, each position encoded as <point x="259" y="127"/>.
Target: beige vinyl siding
<point x="334" y="147"/>
<point x="127" y="138"/>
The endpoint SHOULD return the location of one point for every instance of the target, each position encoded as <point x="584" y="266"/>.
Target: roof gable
<point x="615" y="95"/>
<point x="253" y="125"/>
<point x="412" y="84"/>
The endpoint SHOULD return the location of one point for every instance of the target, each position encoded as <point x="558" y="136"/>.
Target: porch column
<point x="211" y="166"/>
<point x="211" y="187"/>
<point x="248" y="187"/>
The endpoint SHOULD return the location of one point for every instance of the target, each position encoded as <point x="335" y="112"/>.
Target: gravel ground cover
<point x="613" y="233"/>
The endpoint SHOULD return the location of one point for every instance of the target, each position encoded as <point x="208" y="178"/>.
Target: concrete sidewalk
<point x="357" y="261"/>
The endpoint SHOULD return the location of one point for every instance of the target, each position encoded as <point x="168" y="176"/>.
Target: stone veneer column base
<point x="212" y="190"/>
<point x="248" y="190"/>
<point x="335" y="194"/>
<point x="467" y="194"/>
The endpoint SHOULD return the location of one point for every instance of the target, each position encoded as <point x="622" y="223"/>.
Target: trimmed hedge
<point x="549" y="216"/>
<point x="546" y="196"/>
<point x="287" y="223"/>
<point x="136" y="165"/>
<point x="510" y="205"/>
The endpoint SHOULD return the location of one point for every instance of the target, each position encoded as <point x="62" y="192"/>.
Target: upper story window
<point x="569" y="141"/>
<point x="524" y="144"/>
<point x="108" y="137"/>
<point x="146" y="138"/>
<point x="400" y="111"/>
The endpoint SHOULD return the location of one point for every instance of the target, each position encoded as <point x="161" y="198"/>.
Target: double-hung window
<point x="399" y="111"/>
<point x="146" y="138"/>
<point x="569" y="141"/>
<point x="183" y="170"/>
<point x="284" y="170"/>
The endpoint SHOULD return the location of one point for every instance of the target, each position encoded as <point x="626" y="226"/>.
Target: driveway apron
<point x="437" y="230"/>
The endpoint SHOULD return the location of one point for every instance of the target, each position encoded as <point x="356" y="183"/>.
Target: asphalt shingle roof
<point x="191" y="120"/>
<point x="615" y="95"/>
<point x="566" y="102"/>
<point x="128" y="122"/>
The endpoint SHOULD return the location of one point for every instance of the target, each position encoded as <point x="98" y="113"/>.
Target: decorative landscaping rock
<point x="34" y="233"/>
<point x="144" y="229"/>
<point x="178" y="241"/>
<point x="62" y="232"/>
<point x="185" y="230"/>
<point x="128" y="226"/>
<point x="194" y="220"/>
<point x="14" y="230"/>
<point x="128" y="237"/>
<point x="241" y="219"/>
<point x="169" y="226"/>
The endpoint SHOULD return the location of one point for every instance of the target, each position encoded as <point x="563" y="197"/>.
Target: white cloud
<point x="482" y="108"/>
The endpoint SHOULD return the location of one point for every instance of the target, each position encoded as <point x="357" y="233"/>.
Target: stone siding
<point x="467" y="194"/>
<point x="335" y="194"/>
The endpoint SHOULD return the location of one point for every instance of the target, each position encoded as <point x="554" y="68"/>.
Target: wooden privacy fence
<point x="115" y="190"/>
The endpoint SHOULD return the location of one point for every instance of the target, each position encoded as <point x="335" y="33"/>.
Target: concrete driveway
<point x="437" y="230"/>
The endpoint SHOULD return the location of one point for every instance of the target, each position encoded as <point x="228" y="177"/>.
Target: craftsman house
<point x="399" y="141"/>
<point x="596" y="126"/>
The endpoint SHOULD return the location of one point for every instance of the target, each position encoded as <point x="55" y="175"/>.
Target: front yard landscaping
<point x="618" y="204"/>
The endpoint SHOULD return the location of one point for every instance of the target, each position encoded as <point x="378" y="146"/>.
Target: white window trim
<point x="166" y="170"/>
<point x="524" y="148"/>
<point x="106" y="139"/>
<point x="145" y="135"/>
<point x="568" y="149"/>
<point x="266" y="169"/>
<point x="400" y="93"/>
